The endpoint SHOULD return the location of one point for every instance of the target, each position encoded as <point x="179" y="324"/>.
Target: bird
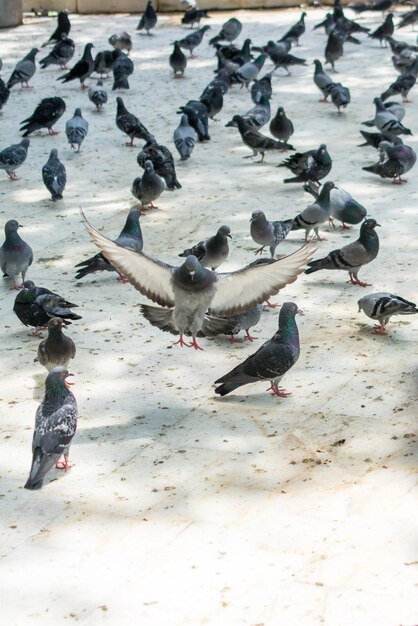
<point x="229" y="31"/>
<point x="340" y="96"/>
<point x="315" y="214"/>
<point x="352" y="257"/>
<point x="400" y="159"/>
<point x="213" y="251"/>
<point x="192" y="40"/>
<point x="408" y="19"/>
<point x="184" y="138"/>
<point x="395" y="107"/>
<point x="24" y="70"/>
<point x="129" y="237"/>
<point x="34" y="306"/>
<point x="256" y="141"/>
<point x="76" y="130"/>
<point x="261" y="87"/>
<point x="105" y="60"/>
<point x="63" y="27"/>
<point x="378" y="5"/>
<point x="384" y="30"/>
<point x="98" y="95"/>
<point x="258" y="115"/>
<point x="57" y="349"/>
<point x="54" y="176"/>
<point x="129" y="124"/>
<point x="403" y="84"/>
<point x="193" y="15"/>
<point x="272" y="360"/>
<point x="212" y="98"/>
<point x="244" y="321"/>
<point x="343" y="207"/>
<point x="13" y="157"/>
<point x="121" y="41"/>
<point x="296" y="31"/>
<point x="197" y="114"/>
<point x="122" y="69"/>
<point x="149" y="187"/>
<point x="249" y="71"/>
<point x="375" y="139"/>
<point x="186" y="293"/>
<point x="148" y="19"/>
<point x="286" y="60"/>
<point x="177" y="60"/>
<point x="386" y="121"/>
<point x="46" y="114"/>
<point x="15" y="254"/>
<point x="55" y="427"/>
<point x="4" y="94"/>
<point x="281" y="126"/>
<point x="333" y="50"/>
<point x="162" y="160"/>
<point x="267" y="233"/>
<point x="61" y="53"/>
<point x="82" y="69"/>
<point x="310" y="165"/>
<point x="382" y="306"/>
<point x="221" y="80"/>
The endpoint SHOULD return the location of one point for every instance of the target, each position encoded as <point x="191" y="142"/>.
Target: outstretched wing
<point x="148" y="275"/>
<point x="239" y="291"/>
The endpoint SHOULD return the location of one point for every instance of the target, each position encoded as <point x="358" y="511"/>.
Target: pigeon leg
<point x="181" y="342"/>
<point x="324" y="99"/>
<point x="83" y="86"/>
<point x="53" y="132"/>
<point x="37" y="331"/>
<point x="406" y="100"/>
<point x="399" y="181"/>
<point x="259" y="250"/>
<point x="63" y="464"/>
<point x="122" y="279"/>
<point x="345" y="227"/>
<point x="12" y="175"/>
<point x="331" y="222"/>
<point x="248" y="336"/>
<point x="15" y="285"/>
<point x="271" y="305"/>
<point x="355" y="281"/>
<point x="379" y="329"/>
<point x="278" y="391"/>
<point x="233" y="339"/>
<point x="130" y="144"/>
<point x="195" y="344"/>
<point x="26" y="86"/>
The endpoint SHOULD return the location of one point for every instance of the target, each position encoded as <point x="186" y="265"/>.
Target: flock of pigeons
<point x="195" y="300"/>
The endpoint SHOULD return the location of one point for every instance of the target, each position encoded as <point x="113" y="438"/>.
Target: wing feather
<point x="241" y="290"/>
<point x="148" y="275"/>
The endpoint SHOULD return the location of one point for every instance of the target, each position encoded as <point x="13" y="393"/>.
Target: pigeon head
<point x="225" y="230"/>
<point x="369" y="224"/>
<point x="322" y="148"/>
<point x="328" y="185"/>
<point x="280" y="112"/>
<point x="77" y="112"/>
<point x="28" y="284"/>
<point x="257" y="215"/>
<point x="317" y="63"/>
<point x="287" y="325"/>
<point x="55" y="382"/>
<point x="55" y="323"/>
<point x="303" y="15"/>
<point x="149" y="167"/>
<point x="53" y="154"/>
<point x="184" y="120"/>
<point x="89" y="46"/>
<point x="25" y="143"/>
<point x="191" y="264"/>
<point x="11" y="226"/>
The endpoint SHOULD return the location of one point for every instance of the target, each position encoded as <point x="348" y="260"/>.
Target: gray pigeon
<point x="212" y="252"/>
<point x="340" y="95"/>
<point x="54" y="176"/>
<point x="163" y="162"/>
<point x="15" y="254"/>
<point x="61" y="53"/>
<point x="403" y="84"/>
<point x="148" y="19"/>
<point x="352" y="257"/>
<point x="122" y="69"/>
<point x="296" y="31"/>
<point x="245" y="321"/>
<point x="13" y="157"/>
<point x="129" y="124"/>
<point x="177" y="60"/>
<point x="400" y="159"/>
<point x="322" y="80"/>
<point x="261" y="87"/>
<point x="381" y="306"/>
<point x="4" y="94"/>
<point x="190" y="291"/>
<point x="55" y="427"/>
<point x="334" y="49"/>
<point x="315" y="214"/>
<point x="63" y="27"/>
<point x="57" y="349"/>
<point x="386" y="121"/>
<point x="24" y="70"/>
<point x="191" y="41"/>
<point x="105" y="60"/>
<point x="46" y="114"/>
<point x="281" y="127"/>
<point x="258" y="115"/>
<point x="256" y="141"/>
<point x="98" y="95"/>
<point x="394" y="107"/>
<point x="249" y="71"/>
<point x="268" y="233"/>
<point x="184" y="138"/>
<point x="130" y="237"/>
<point x="271" y="361"/>
<point x="343" y="207"/>
<point x="197" y="114"/>
<point x="229" y="31"/>
<point x="76" y="130"/>
<point x="121" y="41"/>
<point x="82" y="69"/>
<point x="149" y="187"/>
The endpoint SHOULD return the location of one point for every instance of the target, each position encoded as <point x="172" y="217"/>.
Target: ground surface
<point x="182" y="508"/>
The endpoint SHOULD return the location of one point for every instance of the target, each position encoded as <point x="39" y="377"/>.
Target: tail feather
<point x="41" y="464"/>
<point x="226" y="388"/>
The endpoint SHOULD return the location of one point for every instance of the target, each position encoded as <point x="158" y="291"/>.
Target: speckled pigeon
<point x="311" y="165"/>
<point x="13" y="157"/>
<point x="267" y="233"/>
<point x="400" y="159"/>
<point x="82" y="69"/>
<point x="54" y="176"/>
<point x="61" y="53"/>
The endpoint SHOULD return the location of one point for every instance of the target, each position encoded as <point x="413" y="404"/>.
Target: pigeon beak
<point x="67" y="384"/>
<point x="300" y="312"/>
<point x="378" y="225"/>
<point x="20" y="225"/>
<point x="230" y="236"/>
<point x="192" y="273"/>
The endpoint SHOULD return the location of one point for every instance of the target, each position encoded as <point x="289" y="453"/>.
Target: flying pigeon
<point x="271" y="361"/>
<point x="149" y="187"/>
<point x="267" y="233"/>
<point x="148" y="19"/>
<point x="184" y="138"/>
<point x="46" y="114"/>
<point x="15" y="254"/>
<point x="162" y="160"/>
<point x="57" y="349"/>
<point x="61" y="53"/>
<point x="381" y="306"/>
<point x="54" y="176"/>
<point x="212" y="252"/>
<point x="55" y="427"/>
<point x="310" y="165"/>
<point x="82" y="69"/>
<point x="98" y="95"/>
<point x="13" y="157"/>
<point x="63" y="27"/>
<point x="76" y="130"/>
<point x="24" y="70"/>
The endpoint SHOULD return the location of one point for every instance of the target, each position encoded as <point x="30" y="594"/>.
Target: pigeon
<point x="13" y="157"/>
<point x="82" y="69"/>
<point x="386" y="121"/>
<point x="162" y="160"/>
<point x="400" y="159"/>
<point x="177" y="60"/>
<point x="187" y="292"/>
<point x="184" y="138"/>
<point x="63" y="27"/>
<point x="148" y="19"/>
<point x="212" y="98"/>
<point x="229" y="31"/>
<point x="198" y="118"/>
<point x="375" y="139"/>
<point x="394" y="107"/>
<point x="46" y="114"/>
<point x="352" y="257"/>
<point x="403" y="84"/>
<point x="98" y="95"/>
<point x="310" y="165"/>
<point x="54" y="176"/>
<point x="24" y="70"/>
<point x="258" y="115"/>
<point x="245" y="321"/>
<point x="287" y="60"/>
<point x="57" y="349"/>
<point x="258" y="143"/>
<point x="212" y="252"/>
<point x="397" y="46"/>
<point x="296" y="31"/>
<point x="191" y="41"/>
<point x="55" y="427"/>
<point x="261" y="87"/>
<point x="403" y="61"/>
<point x="149" y="187"/>
<point x="340" y="96"/>
<point x="61" y="53"/>
<point x="280" y="126"/>
<point x="271" y="361"/>
<point x="221" y="80"/>
<point x="4" y="94"/>
<point x="34" y="306"/>
<point x="381" y="306"/>
<point x="379" y="5"/>
<point x="104" y="62"/>
<point x="249" y="71"/>
<point x="193" y="16"/>
<point x="384" y="30"/>
<point x="333" y="49"/>
<point x="15" y="254"/>
<point x="343" y="207"/>
<point x="315" y="214"/>
<point x="122" y="69"/>
<point x="76" y="130"/>
<point x="237" y="56"/>
<point x="121" y="41"/>
<point x="130" y="237"/>
<point x="268" y="233"/>
<point x="408" y="19"/>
